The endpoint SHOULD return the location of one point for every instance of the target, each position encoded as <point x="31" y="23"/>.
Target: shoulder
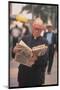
<point x="53" y="34"/>
<point x="26" y="38"/>
<point x="45" y="33"/>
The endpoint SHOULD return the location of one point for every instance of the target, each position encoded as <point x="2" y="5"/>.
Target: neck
<point x="35" y="37"/>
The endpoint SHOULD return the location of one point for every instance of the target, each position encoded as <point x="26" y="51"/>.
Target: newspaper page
<point x="26" y="52"/>
<point x="23" y="55"/>
<point x="39" y="50"/>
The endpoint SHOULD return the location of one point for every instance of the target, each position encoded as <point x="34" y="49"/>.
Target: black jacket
<point x="35" y="75"/>
<point x="53" y="37"/>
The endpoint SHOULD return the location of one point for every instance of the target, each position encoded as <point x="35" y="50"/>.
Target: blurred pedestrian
<point x="50" y="37"/>
<point x="15" y="31"/>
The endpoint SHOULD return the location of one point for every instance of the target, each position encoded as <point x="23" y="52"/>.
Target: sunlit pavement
<point x="49" y="79"/>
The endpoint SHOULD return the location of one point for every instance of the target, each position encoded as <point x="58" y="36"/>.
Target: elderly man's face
<point x="36" y="32"/>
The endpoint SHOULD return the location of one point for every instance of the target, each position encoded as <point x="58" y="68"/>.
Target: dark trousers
<point x="27" y="78"/>
<point x="51" y="55"/>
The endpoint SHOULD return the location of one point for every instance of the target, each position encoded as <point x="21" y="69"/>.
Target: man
<point x="35" y="74"/>
<point x="50" y="37"/>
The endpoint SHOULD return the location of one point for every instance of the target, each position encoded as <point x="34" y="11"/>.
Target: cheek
<point x="35" y="31"/>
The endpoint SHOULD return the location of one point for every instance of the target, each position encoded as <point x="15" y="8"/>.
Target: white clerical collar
<point x="35" y="37"/>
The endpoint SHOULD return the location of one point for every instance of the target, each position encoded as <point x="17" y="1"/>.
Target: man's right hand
<point x="31" y="60"/>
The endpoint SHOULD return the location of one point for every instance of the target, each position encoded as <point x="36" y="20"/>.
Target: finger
<point x="17" y="46"/>
<point x="17" y="50"/>
<point x="20" y="46"/>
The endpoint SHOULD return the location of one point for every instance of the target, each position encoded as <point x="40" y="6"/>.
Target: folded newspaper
<point x="26" y="52"/>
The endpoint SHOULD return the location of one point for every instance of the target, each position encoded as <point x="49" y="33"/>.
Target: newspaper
<point x="26" y="52"/>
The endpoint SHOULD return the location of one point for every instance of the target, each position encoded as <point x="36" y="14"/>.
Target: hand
<point x="31" y="60"/>
<point x="34" y="58"/>
<point x="17" y="48"/>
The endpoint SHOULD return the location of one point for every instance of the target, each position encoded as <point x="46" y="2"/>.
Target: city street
<point x="49" y="79"/>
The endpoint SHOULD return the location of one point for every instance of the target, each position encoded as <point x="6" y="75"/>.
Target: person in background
<point x="15" y="31"/>
<point x="50" y="37"/>
<point x="25" y="30"/>
<point x="35" y="74"/>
